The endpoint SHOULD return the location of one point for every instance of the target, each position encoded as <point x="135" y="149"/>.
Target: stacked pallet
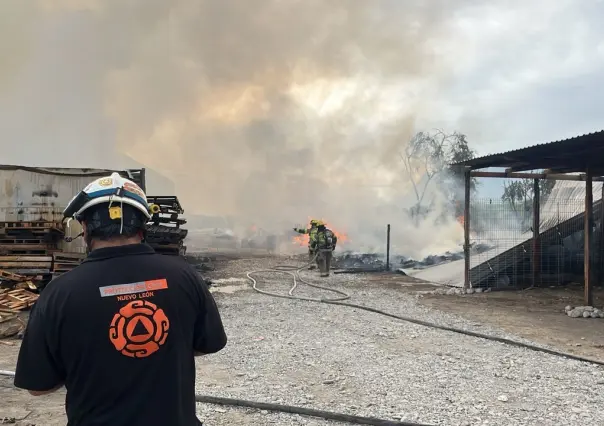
<point x="64" y="262"/>
<point x="26" y="247"/>
<point x="164" y="232"/>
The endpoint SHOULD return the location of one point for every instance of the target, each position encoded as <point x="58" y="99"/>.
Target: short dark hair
<point x="100" y="226"/>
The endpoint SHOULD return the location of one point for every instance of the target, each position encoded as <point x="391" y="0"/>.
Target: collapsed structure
<point x="35" y="243"/>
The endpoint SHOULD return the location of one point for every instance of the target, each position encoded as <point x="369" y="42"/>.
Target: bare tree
<point x="427" y="159"/>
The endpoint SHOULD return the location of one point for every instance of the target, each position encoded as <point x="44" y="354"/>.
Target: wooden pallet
<point x="65" y="262"/>
<point x="17" y="300"/>
<point x="11" y="276"/>
<point x="27" y="249"/>
<point x="68" y="256"/>
<point x="22" y="240"/>
<point x="38" y="224"/>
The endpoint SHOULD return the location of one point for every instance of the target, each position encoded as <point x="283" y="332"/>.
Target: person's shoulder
<point x="174" y="266"/>
<point x="166" y="261"/>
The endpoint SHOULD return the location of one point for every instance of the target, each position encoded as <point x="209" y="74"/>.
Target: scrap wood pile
<point x="16" y="300"/>
<point x="11" y="302"/>
<point x="164" y="232"/>
<point x="26" y="247"/>
<point x="30" y="253"/>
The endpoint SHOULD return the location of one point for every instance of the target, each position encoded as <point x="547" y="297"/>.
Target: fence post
<point x="388" y="248"/>
<point x="466" y="229"/>
<point x="601" y="242"/>
<point x="587" y="236"/>
<point x="536" y="237"/>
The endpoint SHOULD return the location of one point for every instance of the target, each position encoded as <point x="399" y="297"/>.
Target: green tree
<point x="522" y="192"/>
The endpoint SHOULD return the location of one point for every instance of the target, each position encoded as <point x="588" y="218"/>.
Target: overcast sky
<point x="535" y="74"/>
<point x="511" y="74"/>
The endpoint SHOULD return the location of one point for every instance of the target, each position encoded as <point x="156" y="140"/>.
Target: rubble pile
<point x="362" y="260"/>
<point x="351" y="260"/>
<point x="448" y="256"/>
<point x="584" y="312"/>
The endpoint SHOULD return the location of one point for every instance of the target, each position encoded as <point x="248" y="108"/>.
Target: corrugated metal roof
<point x="572" y="154"/>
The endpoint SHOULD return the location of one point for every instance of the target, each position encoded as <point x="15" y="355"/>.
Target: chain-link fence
<point x="501" y="238"/>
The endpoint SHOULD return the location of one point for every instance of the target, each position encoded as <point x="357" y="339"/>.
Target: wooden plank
<point x="4" y="241"/>
<point x="9" y="265"/>
<point x="7" y="318"/>
<point x="20" y="258"/>
<point x="29" y="273"/>
<point x="11" y="276"/>
<point x="61" y="265"/>
<point x="41" y="224"/>
<point x="70" y="256"/>
<point x="24" y="246"/>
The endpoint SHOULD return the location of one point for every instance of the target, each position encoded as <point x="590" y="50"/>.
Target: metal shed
<point x="576" y="159"/>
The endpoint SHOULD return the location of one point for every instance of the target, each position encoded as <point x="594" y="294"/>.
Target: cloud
<point x="523" y="53"/>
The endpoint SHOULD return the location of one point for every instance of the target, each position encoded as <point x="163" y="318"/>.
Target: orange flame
<point x="303" y="239"/>
<point x="461" y="220"/>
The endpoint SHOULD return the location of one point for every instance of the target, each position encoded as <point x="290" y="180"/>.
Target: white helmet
<point x="114" y="190"/>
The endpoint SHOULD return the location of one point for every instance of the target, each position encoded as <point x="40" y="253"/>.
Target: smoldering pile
<point x="377" y="261"/>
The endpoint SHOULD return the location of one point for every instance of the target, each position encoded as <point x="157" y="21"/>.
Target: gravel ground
<point x="346" y="360"/>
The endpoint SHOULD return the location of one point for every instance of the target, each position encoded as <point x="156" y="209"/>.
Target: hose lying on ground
<point x="295" y="272"/>
<point x="338" y="417"/>
<point x="328" y="415"/>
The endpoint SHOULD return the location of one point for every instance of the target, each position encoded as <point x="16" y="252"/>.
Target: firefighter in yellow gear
<point x="324" y="245"/>
<point x="312" y="234"/>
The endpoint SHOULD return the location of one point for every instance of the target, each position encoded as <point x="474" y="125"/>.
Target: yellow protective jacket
<point x="312" y="234"/>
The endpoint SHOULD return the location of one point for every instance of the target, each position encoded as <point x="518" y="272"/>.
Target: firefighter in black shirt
<point x="121" y="330"/>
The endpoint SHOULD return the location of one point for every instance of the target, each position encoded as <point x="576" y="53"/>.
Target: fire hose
<point x="327" y="415"/>
<point x="294" y="271"/>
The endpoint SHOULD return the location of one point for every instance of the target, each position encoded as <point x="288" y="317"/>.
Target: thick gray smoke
<point x="269" y="110"/>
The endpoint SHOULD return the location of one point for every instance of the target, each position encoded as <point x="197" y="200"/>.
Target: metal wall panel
<point x="28" y="194"/>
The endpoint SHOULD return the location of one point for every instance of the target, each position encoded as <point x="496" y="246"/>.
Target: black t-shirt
<point x="120" y="332"/>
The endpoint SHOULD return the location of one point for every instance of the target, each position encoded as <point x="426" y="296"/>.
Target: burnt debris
<point x="367" y="262"/>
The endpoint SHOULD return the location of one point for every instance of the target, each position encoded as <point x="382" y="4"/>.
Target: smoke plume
<point x="272" y="111"/>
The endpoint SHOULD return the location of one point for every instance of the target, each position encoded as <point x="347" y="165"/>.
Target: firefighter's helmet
<point x="113" y="190"/>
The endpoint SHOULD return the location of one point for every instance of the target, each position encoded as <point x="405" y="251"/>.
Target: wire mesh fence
<point x="501" y="240"/>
